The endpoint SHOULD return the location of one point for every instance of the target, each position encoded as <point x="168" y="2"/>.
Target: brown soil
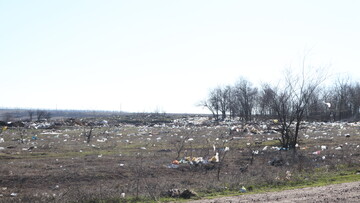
<point x="345" y="192"/>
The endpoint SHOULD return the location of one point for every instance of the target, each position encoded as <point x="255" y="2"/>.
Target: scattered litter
<point x="173" y="166"/>
<point x="14" y="194"/>
<point x="122" y="195"/>
<point x="2" y="140"/>
<point x="143" y="148"/>
<point x="243" y="189"/>
<point x="288" y="175"/>
<point x="323" y="147"/>
<point x="102" y="140"/>
<point x="316" y="153"/>
<point x="174" y="193"/>
<point x="215" y="158"/>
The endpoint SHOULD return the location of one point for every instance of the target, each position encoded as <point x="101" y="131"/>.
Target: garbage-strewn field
<point x="165" y="158"/>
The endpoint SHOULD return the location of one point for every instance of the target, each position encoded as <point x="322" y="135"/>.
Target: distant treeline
<point x="40" y="114"/>
<point x="335" y="102"/>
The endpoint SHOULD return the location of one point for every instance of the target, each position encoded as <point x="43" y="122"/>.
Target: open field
<point x="56" y="161"/>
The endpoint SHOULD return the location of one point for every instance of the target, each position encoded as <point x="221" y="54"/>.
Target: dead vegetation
<point x="131" y="162"/>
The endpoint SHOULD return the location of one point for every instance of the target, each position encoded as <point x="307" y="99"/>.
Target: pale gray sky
<point x="166" y="55"/>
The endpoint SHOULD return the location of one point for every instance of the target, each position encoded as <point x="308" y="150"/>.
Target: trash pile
<point x="194" y="161"/>
<point x="176" y="193"/>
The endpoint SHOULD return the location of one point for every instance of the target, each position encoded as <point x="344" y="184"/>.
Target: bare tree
<point x="212" y="103"/>
<point x="265" y="96"/>
<point x="246" y="98"/>
<point x="31" y="114"/>
<point x="355" y="100"/>
<point x="40" y="114"/>
<point x="179" y="145"/>
<point x="223" y="95"/>
<point x="341" y="97"/>
<point x="291" y="100"/>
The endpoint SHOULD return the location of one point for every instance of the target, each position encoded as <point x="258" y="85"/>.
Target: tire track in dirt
<point x="344" y="192"/>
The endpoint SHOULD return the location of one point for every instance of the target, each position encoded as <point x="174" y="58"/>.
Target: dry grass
<point x="133" y="160"/>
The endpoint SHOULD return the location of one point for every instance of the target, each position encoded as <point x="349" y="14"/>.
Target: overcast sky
<point x="140" y="56"/>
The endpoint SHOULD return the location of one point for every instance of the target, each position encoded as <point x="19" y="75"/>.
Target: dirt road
<point x="345" y="192"/>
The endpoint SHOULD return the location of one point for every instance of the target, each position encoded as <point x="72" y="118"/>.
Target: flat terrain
<point x="344" y="192"/>
<point x="56" y="162"/>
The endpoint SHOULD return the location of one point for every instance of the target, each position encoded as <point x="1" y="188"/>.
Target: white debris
<point x="14" y="194"/>
<point x="102" y="140"/>
<point x="327" y="104"/>
<point x="2" y="140"/>
<point x="217" y="157"/>
<point x="323" y="147"/>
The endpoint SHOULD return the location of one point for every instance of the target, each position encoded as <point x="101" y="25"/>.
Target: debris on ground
<point x="242" y="189"/>
<point x="187" y="194"/>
